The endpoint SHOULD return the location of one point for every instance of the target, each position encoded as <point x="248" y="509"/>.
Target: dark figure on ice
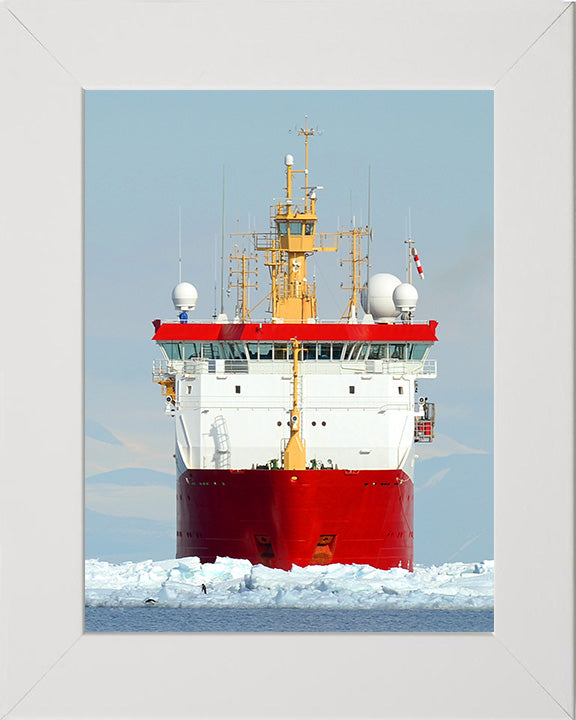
<point x="204" y="588"/>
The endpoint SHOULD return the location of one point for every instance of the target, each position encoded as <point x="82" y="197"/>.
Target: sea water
<point x="152" y="618"/>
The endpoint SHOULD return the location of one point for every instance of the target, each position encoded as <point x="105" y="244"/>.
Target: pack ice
<point x="239" y="584"/>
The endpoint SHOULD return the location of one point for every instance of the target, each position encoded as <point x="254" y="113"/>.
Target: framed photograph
<point x="388" y="467"/>
<point x="56" y="51"/>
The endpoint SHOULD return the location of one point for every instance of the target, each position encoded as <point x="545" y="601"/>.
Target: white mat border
<point x="54" y="50"/>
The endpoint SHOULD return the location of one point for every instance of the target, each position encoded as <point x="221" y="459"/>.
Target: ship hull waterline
<point x="281" y="518"/>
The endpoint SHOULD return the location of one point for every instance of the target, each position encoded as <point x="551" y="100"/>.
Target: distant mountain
<point x="134" y="477"/>
<point x="96" y="431"/>
<point x="118" y="539"/>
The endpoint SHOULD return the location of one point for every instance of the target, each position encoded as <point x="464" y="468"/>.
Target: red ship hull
<point x="305" y="517"/>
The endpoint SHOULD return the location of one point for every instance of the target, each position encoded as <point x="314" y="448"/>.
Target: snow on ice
<point x="239" y="584"/>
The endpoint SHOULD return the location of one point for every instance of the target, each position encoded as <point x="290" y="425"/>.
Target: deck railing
<point x="284" y="367"/>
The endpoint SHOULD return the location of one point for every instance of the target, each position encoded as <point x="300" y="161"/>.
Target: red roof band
<point x="313" y="332"/>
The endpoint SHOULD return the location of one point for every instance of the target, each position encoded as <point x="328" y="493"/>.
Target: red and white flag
<point x="417" y="261"/>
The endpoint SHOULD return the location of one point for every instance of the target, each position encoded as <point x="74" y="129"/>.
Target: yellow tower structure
<point x="294" y="239"/>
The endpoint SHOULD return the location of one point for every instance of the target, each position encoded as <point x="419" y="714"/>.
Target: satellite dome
<point x="380" y="293"/>
<point x="184" y="296"/>
<point x="405" y="297"/>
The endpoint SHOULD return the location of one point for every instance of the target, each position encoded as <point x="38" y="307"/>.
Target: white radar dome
<point x="405" y="297"/>
<point x="184" y="296"/>
<point x="380" y="293"/>
<point x="288" y="160"/>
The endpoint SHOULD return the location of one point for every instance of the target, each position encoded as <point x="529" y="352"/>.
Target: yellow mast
<point x="295" y="452"/>
<point x="356" y="235"/>
<point x="243" y="269"/>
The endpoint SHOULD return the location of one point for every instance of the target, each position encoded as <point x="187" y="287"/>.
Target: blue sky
<point x="147" y="154"/>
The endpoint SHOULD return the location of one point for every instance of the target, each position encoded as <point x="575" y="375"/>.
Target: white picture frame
<point x="53" y="50"/>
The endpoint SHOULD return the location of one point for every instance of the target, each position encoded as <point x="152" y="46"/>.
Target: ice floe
<point x="239" y="584"/>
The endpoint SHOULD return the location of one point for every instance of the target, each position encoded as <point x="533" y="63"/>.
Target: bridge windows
<point x="282" y="351"/>
<point x="295" y="227"/>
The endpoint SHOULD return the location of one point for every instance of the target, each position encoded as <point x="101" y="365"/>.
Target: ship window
<point x="417" y="351"/>
<point x="238" y="351"/>
<point x="233" y="351"/>
<point x="169" y="348"/>
<point x="211" y="351"/>
<point x="355" y="351"/>
<point x="324" y="351"/>
<point x="252" y="351"/>
<point x="265" y="351"/>
<point x="280" y="351"/>
<point x="295" y="227"/>
<point x="400" y="390"/>
<point x="191" y="350"/>
<point x="308" y="351"/>
<point x="337" y="350"/>
<point x="349" y="350"/>
<point x="237" y="389"/>
<point x="377" y="351"/>
<point x="173" y="350"/>
<point x="309" y="228"/>
<point x="177" y="351"/>
<point x="351" y="389"/>
<point x="282" y="228"/>
<point x="397" y="351"/>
